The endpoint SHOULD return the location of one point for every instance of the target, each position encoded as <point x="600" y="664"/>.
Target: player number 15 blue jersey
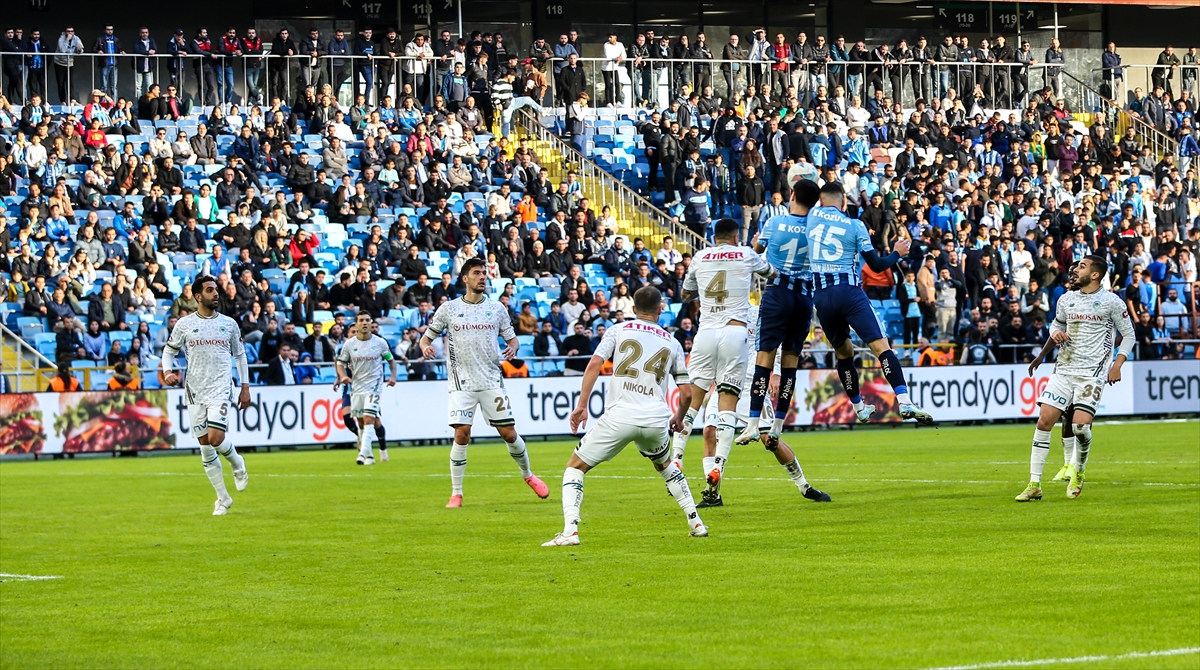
<point x="836" y="244"/>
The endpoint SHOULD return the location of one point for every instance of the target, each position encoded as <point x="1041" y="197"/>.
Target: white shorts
<point x="364" y="404"/>
<point x="608" y="436"/>
<point x="711" y="410"/>
<point x="719" y="356"/>
<point x="203" y="417"/>
<point x="1062" y="391"/>
<point x="496" y="407"/>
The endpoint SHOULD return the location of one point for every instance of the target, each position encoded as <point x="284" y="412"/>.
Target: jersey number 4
<point x="830" y="247"/>
<point x="631" y="353"/>
<point x="715" y="290"/>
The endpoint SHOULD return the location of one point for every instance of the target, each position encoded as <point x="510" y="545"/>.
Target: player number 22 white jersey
<point x="644" y="356"/>
<point x="723" y="276"/>
<point x="473" y="352"/>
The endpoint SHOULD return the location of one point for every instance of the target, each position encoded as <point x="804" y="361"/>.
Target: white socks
<point x="1083" y="444"/>
<point x="678" y="486"/>
<point x="797" y="474"/>
<point x="366" y="441"/>
<point x="1037" y="456"/>
<point x="518" y="453"/>
<point x="903" y="399"/>
<point x="1068" y="450"/>
<point x="725" y="433"/>
<point x="227" y="450"/>
<point x="458" y="467"/>
<point x="709" y="464"/>
<point x="212" y="467"/>
<point x="679" y="440"/>
<point x="572" y="498"/>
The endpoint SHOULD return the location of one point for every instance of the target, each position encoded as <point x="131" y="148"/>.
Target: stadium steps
<point x="18" y="358"/>
<point x="1094" y="102"/>
<point x="632" y="220"/>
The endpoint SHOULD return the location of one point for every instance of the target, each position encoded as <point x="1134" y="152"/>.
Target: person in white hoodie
<point x="69" y="44"/>
<point x="418" y="55"/>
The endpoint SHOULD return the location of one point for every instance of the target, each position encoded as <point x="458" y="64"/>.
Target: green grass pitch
<point x="922" y="560"/>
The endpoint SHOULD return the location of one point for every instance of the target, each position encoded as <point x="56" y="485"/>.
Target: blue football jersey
<point x="787" y="247"/>
<point x="836" y="244"/>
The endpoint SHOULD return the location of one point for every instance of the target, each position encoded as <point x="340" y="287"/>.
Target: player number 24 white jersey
<point x="644" y="356"/>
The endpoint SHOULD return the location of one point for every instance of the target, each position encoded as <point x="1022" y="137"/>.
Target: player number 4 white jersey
<point x="644" y="356"/>
<point x="723" y="276"/>
<point x="1089" y="319"/>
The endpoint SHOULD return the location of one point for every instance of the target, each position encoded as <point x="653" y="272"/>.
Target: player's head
<point x="1091" y="271"/>
<point x="363" y="324"/>
<point x="647" y="303"/>
<point x="833" y="195"/>
<point x="806" y="193"/>
<point x="206" y="292"/>
<point x="1072" y="285"/>
<point x="726" y="230"/>
<point x="474" y="274"/>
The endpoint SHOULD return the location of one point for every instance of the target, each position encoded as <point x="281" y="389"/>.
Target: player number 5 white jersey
<point x="723" y="276"/>
<point x="644" y="356"/>
<point x="210" y="345"/>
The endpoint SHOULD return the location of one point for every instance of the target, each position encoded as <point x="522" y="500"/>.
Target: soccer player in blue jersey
<point x="837" y="245"/>
<point x="785" y="311"/>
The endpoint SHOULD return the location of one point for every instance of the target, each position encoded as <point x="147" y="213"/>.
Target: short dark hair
<point x="473" y="263"/>
<point x="646" y="300"/>
<point x="200" y="281"/>
<point x="725" y="228"/>
<point x="806" y="192"/>
<point x="1098" y="263"/>
<point x="832" y="188"/>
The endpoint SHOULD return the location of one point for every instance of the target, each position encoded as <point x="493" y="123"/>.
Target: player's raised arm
<point x="691" y="289"/>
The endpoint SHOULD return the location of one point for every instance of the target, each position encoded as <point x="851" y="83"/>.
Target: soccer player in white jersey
<point x="1083" y="327"/>
<point x="721" y="276"/>
<point x="365" y="354"/>
<point x="211" y="342"/>
<point x="635" y="410"/>
<point x="472" y="325"/>
<point x="1068" y="437"/>
<point x="713" y="458"/>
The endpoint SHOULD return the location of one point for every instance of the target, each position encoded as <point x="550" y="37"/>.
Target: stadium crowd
<point x="308" y="211"/>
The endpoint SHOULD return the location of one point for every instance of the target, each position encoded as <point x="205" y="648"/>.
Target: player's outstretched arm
<point x="590" y="375"/>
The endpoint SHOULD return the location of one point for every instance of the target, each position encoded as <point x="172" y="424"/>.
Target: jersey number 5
<point x="631" y="353"/>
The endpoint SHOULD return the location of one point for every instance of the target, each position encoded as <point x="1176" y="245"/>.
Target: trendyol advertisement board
<point x="309" y="415"/>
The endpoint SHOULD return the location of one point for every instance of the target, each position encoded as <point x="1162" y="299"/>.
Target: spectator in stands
<point x="63" y="381"/>
<point x="579" y="348"/>
<point x="280" y="369"/>
<point x="547" y="342"/>
<point x="107" y="309"/>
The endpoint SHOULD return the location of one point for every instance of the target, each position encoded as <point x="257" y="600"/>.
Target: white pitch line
<point x="6" y="577"/>
<point x="1183" y="651"/>
<point x="987" y="482"/>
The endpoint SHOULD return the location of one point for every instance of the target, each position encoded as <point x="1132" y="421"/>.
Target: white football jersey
<point x="210" y="345"/>
<point x="723" y="276"/>
<point x="473" y="331"/>
<point x="644" y="356"/>
<point x="1089" y="320"/>
<point x="365" y="360"/>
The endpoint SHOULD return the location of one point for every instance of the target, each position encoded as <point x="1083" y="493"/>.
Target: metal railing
<point x="1120" y="120"/>
<point x="26" y="374"/>
<point x="626" y="203"/>
<point x="1120" y="83"/>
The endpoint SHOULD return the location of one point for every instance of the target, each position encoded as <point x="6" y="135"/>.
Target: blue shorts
<point x="345" y="396"/>
<point x="784" y="317"/>
<point x="841" y="307"/>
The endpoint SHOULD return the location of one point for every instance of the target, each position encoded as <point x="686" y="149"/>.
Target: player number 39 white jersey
<point x="723" y="276"/>
<point x="1089" y="319"/>
<point x="644" y="356"/>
